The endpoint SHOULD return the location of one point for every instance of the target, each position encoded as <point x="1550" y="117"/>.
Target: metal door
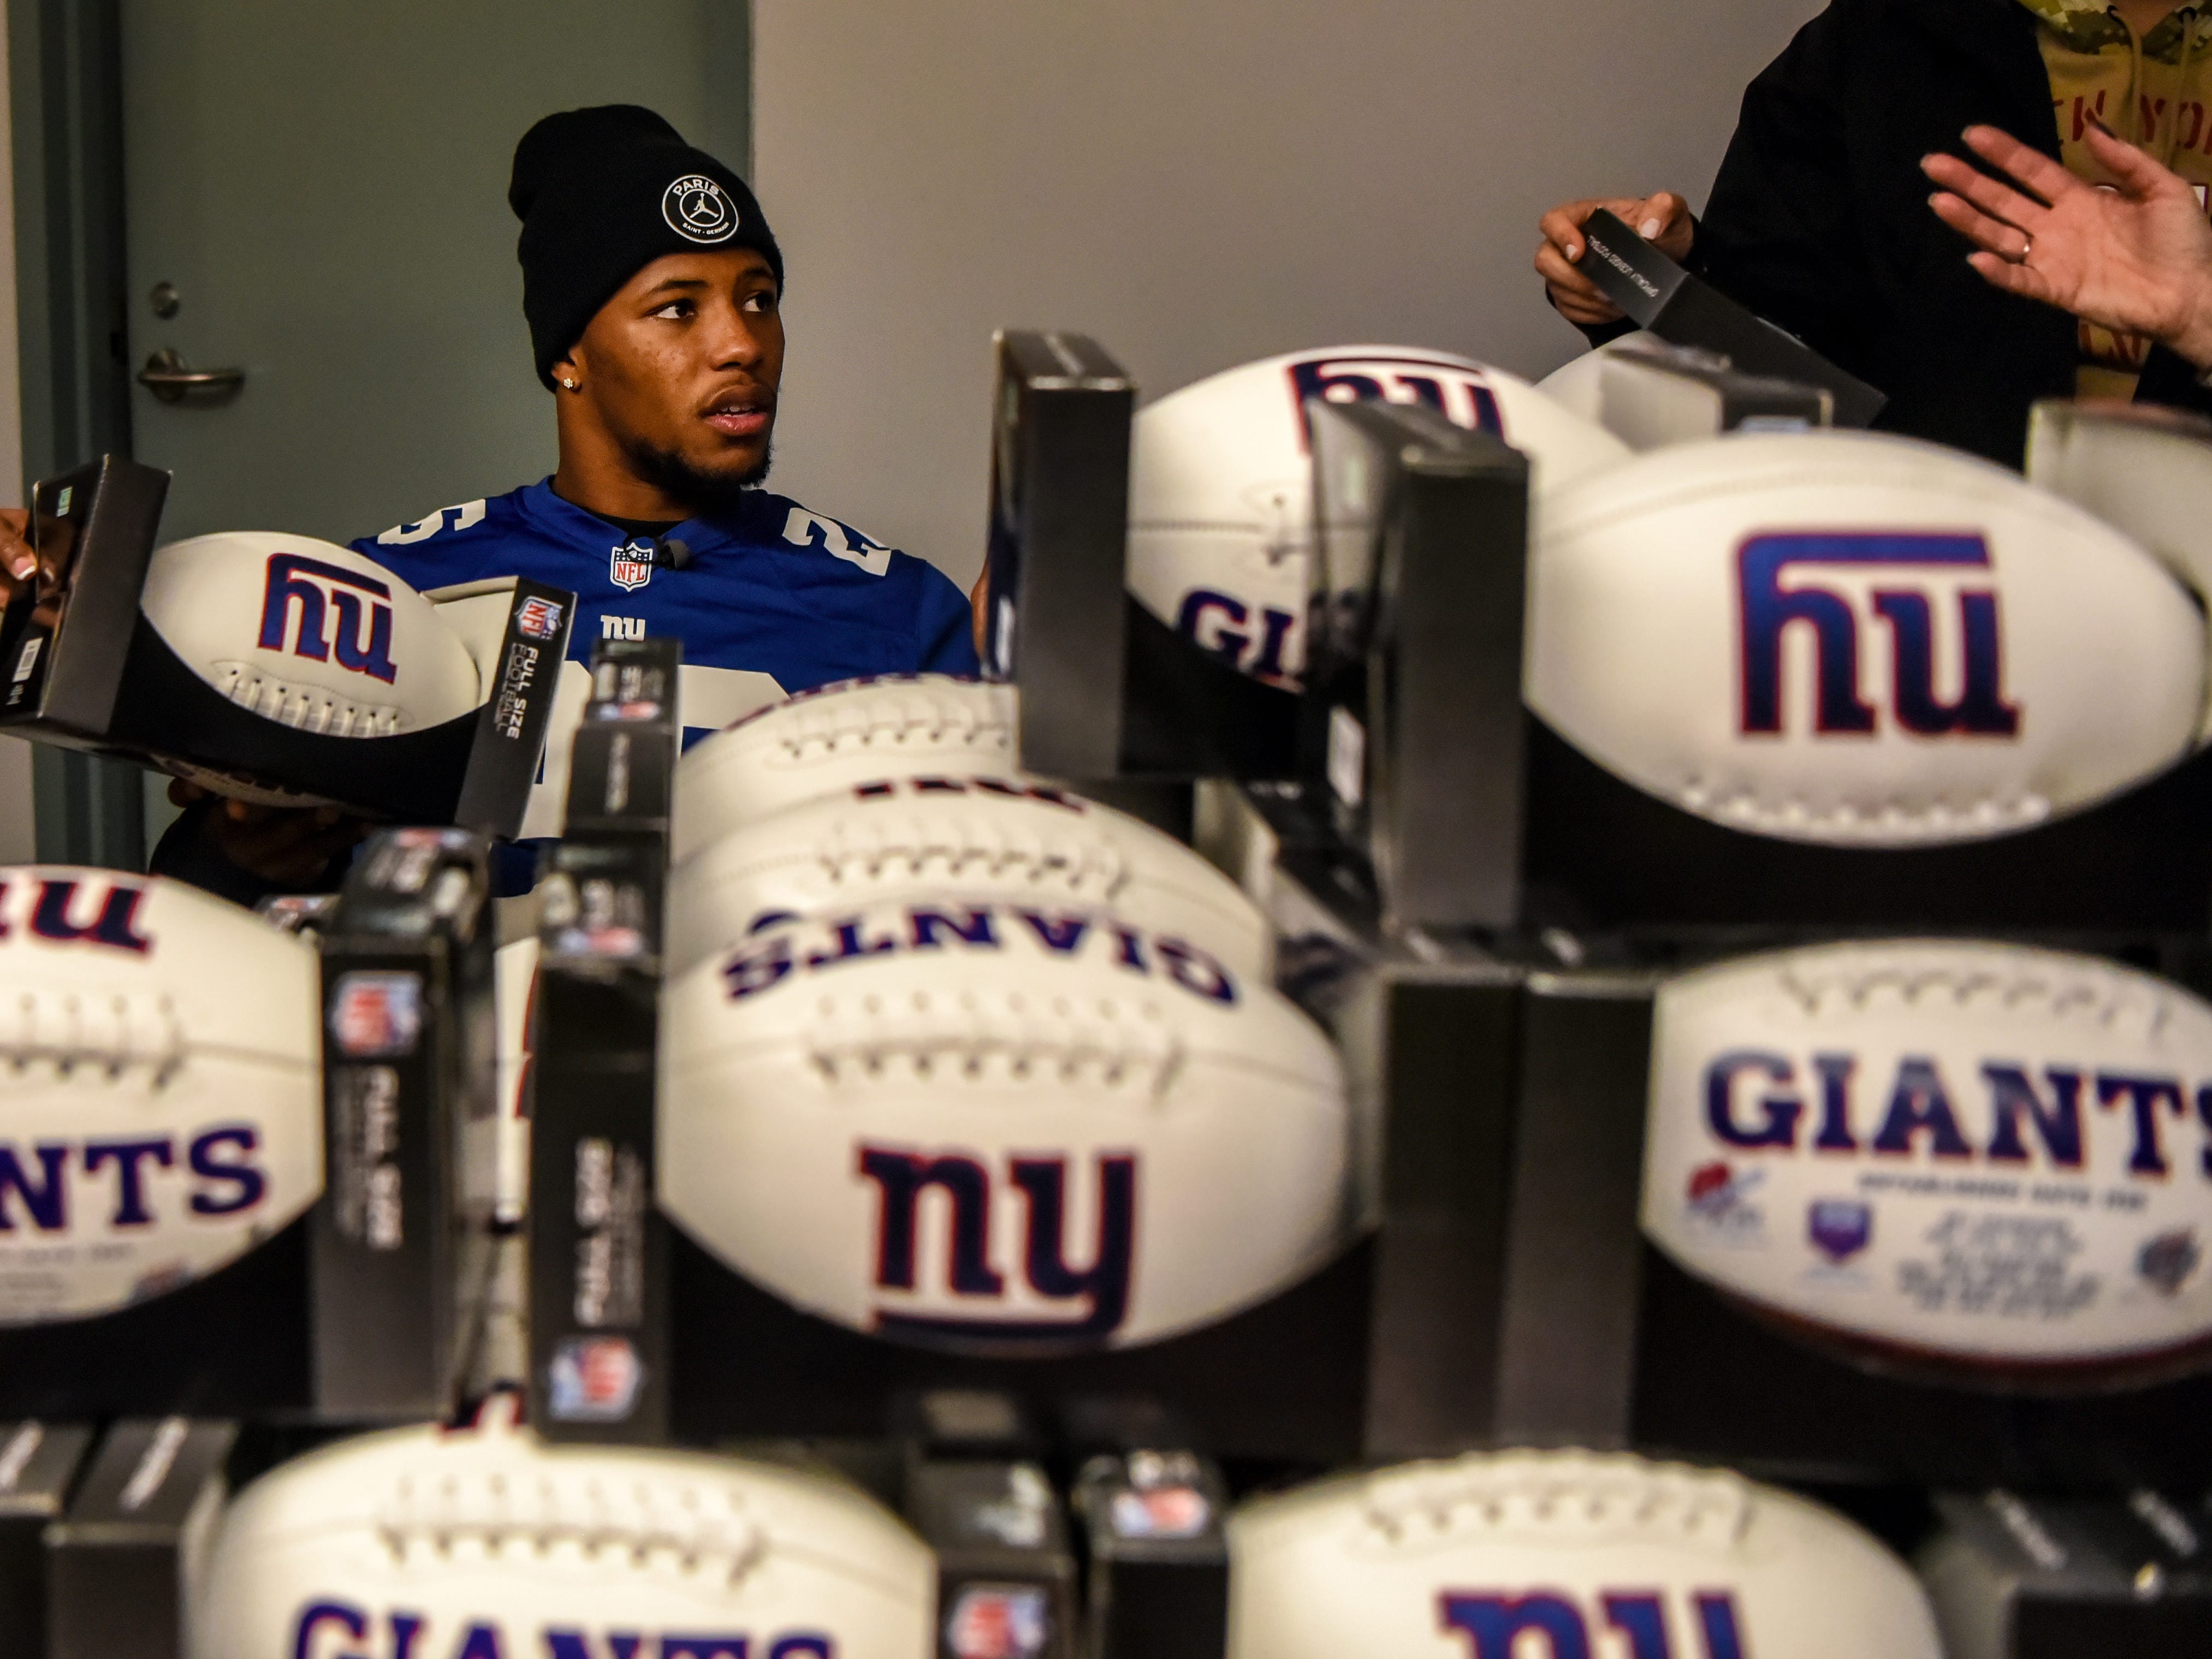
<point x="314" y="196"/>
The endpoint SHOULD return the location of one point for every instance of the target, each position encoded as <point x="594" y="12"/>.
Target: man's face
<point x="681" y="369"/>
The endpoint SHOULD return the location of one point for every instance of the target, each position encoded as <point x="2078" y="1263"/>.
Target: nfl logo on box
<point x="377" y="1014"/>
<point x="538" y="619"/>
<point x="998" y="1621"/>
<point x="596" y="1379"/>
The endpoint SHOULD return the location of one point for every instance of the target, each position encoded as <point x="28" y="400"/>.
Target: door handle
<point x="168" y="378"/>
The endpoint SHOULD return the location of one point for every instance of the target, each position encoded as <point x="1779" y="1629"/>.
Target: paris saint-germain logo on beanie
<point x="586" y="185"/>
<point x="699" y="210"/>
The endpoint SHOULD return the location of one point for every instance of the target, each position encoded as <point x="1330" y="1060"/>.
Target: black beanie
<point x="603" y="192"/>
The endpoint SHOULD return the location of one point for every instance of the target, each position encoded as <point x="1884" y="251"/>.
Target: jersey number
<point x="467" y="513"/>
<point x="805" y="529"/>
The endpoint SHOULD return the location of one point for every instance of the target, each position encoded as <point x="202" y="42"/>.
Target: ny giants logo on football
<point x="106" y="919"/>
<point x="1099" y="1293"/>
<point x="339" y="1630"/>
<point x="297" y="581"/>
<point x="1461" y="395"/>
<point x="1496" y="1625"/>
<point x="1227" y="626"/>
<point x="1767" y="610"/>
<point x="1757" y="1100"/>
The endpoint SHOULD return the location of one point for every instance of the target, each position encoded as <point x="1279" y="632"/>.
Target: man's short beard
<point x="703" y="494"/>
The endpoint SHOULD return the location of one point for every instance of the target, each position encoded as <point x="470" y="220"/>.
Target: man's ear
<point x="569" y="371"/>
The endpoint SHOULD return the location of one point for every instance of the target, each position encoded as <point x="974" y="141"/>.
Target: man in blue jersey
<point x="651" y="286"/>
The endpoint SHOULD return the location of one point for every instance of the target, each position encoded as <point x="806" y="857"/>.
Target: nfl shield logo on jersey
<point x="630" y="565"/>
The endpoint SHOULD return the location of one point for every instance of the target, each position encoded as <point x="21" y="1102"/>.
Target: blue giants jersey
<point x="775" y="600"/>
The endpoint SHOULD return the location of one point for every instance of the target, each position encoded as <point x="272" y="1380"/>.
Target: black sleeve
<point x="2173" y="380"/>
<point x="188" y="854"/>
<point x="1779" y="235"/>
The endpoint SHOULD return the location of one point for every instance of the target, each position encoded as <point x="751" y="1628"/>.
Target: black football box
<point x="1659" y="294"/>
<point x="1109" y="691"/>
<point x="38" y="1466"/>
<point x="1413" y="701"/>
<point x="1156" y="1555"/>
<point x="599" y="1292"/>
<point x="2015" y="1576"/>
<point x="125" y="1558"/>
<point x="409" y="1038"/>
<point x="85" y="668"/>
<point x="1005" y="1573"/>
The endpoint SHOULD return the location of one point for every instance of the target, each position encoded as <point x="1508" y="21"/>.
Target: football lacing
<point x="1087" y="865"/>
<point x="115" y="1032"/>
<point x="685" y="1528"/>
<point x="1567" y="1492"/>
<point x="1011" y="1037"/>
<point x="1879" y="823"/>
<point x="843" y="723"/>
<point x="307" y="707"/>
<point x="2111" y="1003"/>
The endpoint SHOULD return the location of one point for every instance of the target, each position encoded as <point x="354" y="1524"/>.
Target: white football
<point x="1855" y="640"/>
<point x="2142" y="467"/>
<point x="500" y="1157"/>
<point x="999" y="1126"/>
<point x="966" y="839"/>
<point x="309" y="635"/>
<point x="1565" y="1555"/>
<point x="820" y="742"/>
<point x="162" y="1104"/>
<point x="481" y="1542"/>
<point x="1221" y="482"/>
<point x="1579" y="383"/>
<point x="1980" y="1153"/>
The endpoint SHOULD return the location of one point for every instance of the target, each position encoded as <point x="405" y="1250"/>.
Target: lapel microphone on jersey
<point x="671" y="553"/>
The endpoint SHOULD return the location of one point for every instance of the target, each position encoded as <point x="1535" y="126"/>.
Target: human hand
<point x="18" y="564"/>
<point x="2137" y="259"/>
<point x="1663" y="220"/>
<point x="290" y="846"/>
<point x="979" y="606"/>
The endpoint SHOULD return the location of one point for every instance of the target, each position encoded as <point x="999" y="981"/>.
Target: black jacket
<point x="1820" y="219"/>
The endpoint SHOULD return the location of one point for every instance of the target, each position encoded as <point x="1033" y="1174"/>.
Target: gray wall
<point x="1196" y="185"/>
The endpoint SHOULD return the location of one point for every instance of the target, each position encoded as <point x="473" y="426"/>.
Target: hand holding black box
<point x="1657" y="293"/>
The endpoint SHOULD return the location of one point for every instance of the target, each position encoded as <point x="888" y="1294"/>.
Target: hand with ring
<point x="2136" y="258"/>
